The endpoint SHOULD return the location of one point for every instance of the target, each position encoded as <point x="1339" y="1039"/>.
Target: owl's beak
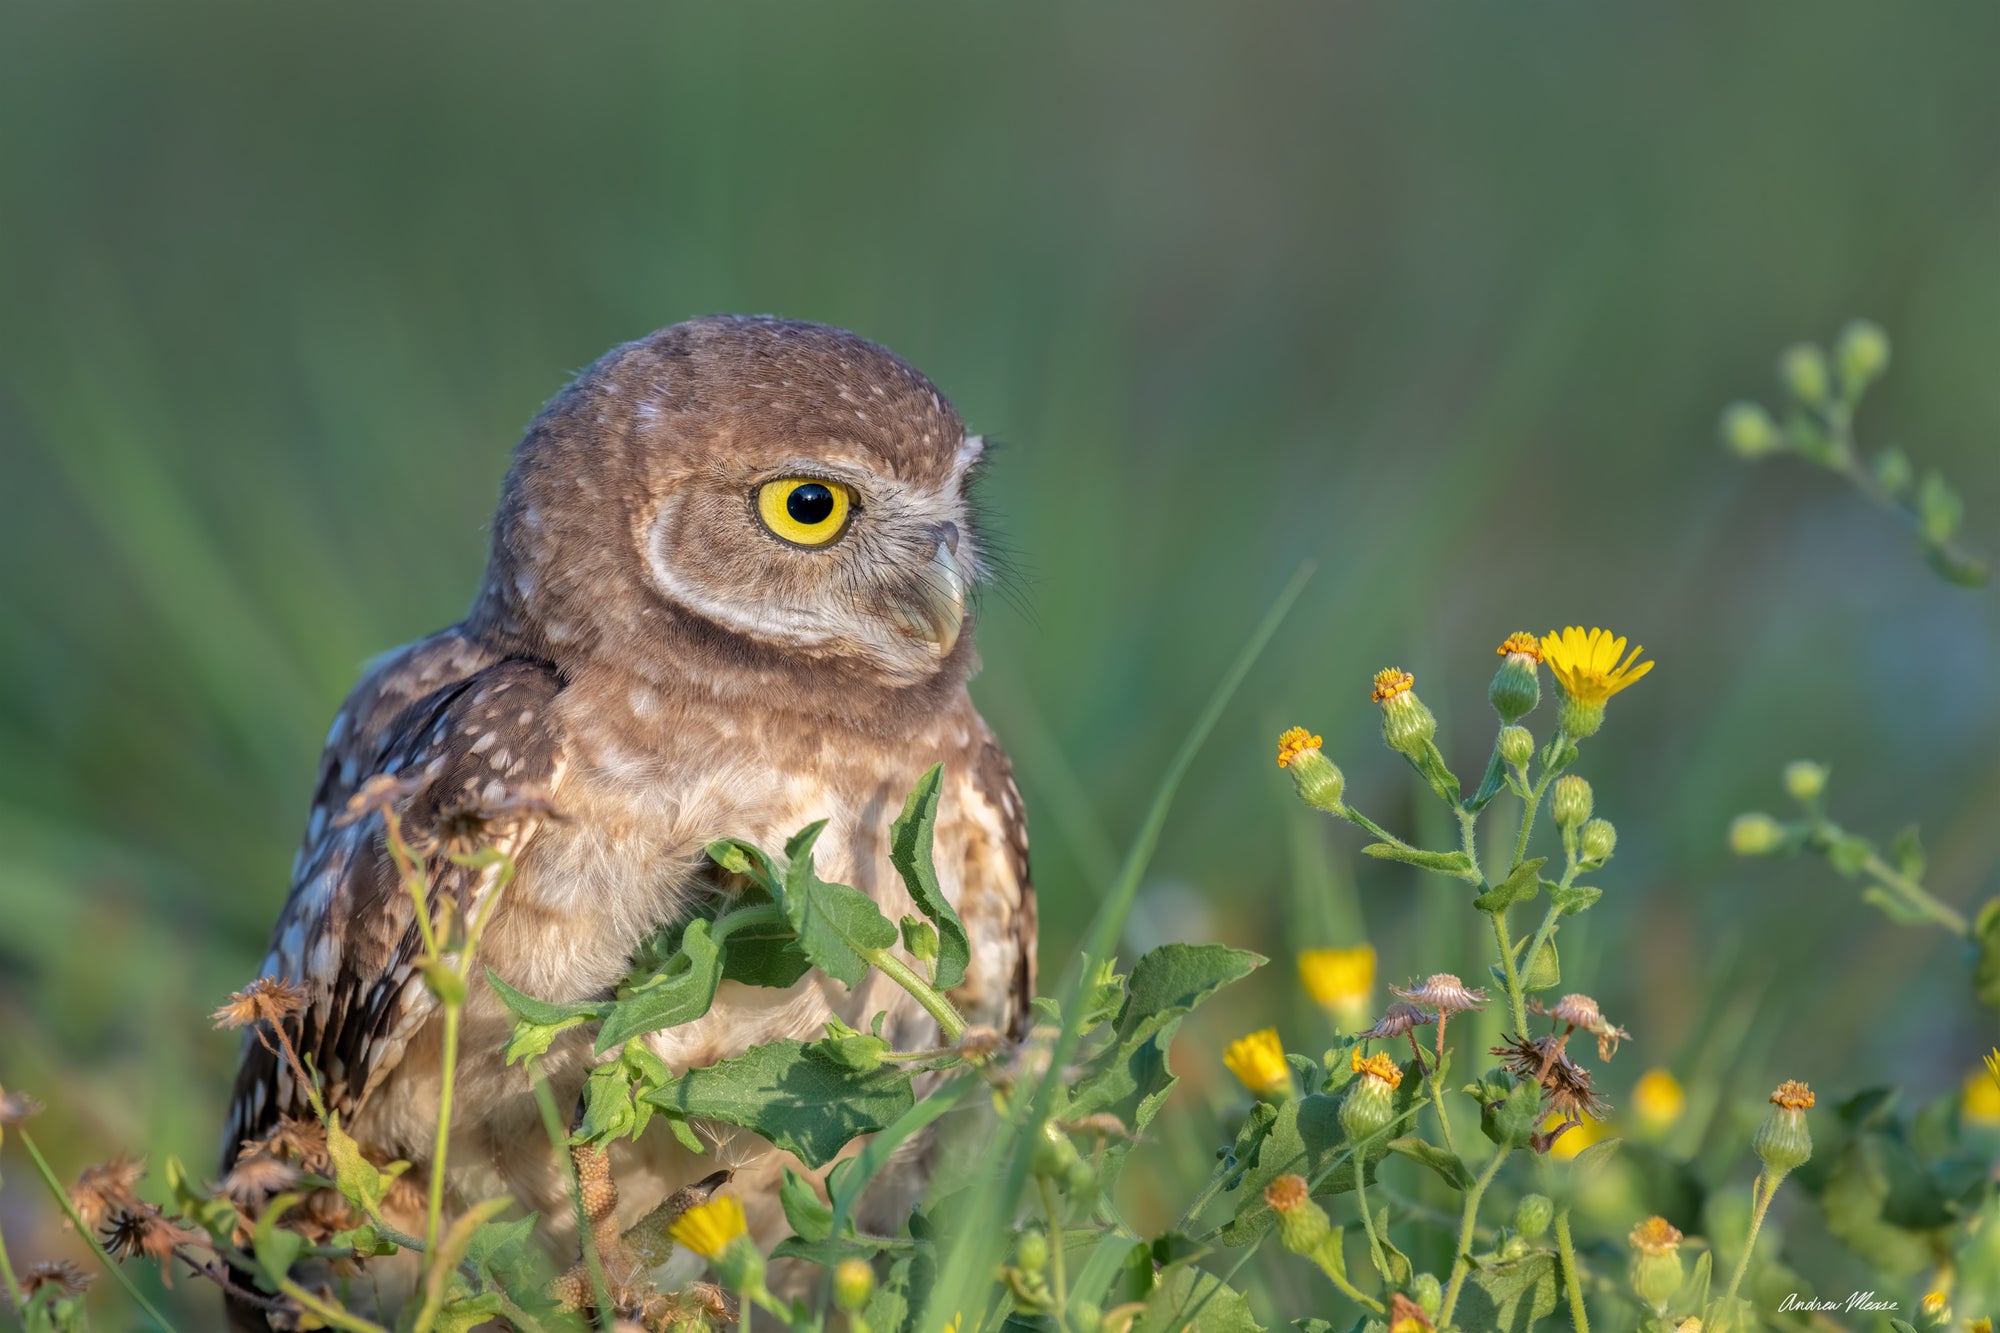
<point x="937" y="611"/>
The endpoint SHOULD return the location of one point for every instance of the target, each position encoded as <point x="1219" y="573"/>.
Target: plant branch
<point x="89" y="1236"/>
<point x="1461" y="1262"/>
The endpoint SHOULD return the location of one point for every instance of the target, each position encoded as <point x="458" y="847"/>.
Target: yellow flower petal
<point x="708" y="1228"/>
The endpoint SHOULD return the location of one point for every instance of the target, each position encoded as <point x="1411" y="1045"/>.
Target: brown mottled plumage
<point x="647" y="657"/>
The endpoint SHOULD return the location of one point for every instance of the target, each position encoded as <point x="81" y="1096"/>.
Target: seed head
<point x="106" y="1188"/>
<point x="1443" y="993"/>
<point x="265" y="1000"/>
<point x="66" y="1278"/>
<point x="1398" y="1018"/>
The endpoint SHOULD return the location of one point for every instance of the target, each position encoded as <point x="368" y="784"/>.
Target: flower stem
<point x="1058" y="1278"/>
<point x="448" y="1073"/>
<point x="89" y="1236"/>
<point x="1461" y="1262"/>
<point x="14" y="1297"/>
<point x="333" y="1316"/>
<point x="1515" y="998"/>
<point x="1368" y="1218"/>
<point x="1761" y="1192"/>
<point x="937" y="1006"/>
<point x="1579" y="1318"/>
<point x="1896" y="881"/>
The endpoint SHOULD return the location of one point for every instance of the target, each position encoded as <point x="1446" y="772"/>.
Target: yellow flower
<point x="1934" y="1303"/>
<point x="708" y="1228"/>
<point x="1655" y="1235"/>
<point x="1259" y="1060"/>
<point x="1573" y="1141"/>
<point x="1521" y="644"/>
<point x="1390" y="682"/>
<point x="1339" y="978"/>
<point x="1588" y="666"/>
<point x="1379" y="1067"/>
<point x="1980" y="1326"/>
<point x="1293" y="743"/>
<point x="1658" y="1099"/>
<point x="1980" y="1104"/>
<point x="1993" y="1065"/>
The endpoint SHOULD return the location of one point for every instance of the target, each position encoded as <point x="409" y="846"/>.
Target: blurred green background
<point x="1445" y="302"/>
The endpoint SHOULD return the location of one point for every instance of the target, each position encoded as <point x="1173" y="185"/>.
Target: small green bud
<point x="1784" y="1140"/>
<point x="1053" y="1153"/>
<point x="1517" y="685"/>
<point x="1320" y="782"/>
<point x="1805" y="780"/>
<point x="1749" y="431"/>
<point x="1893" y="472"/>
<point x="1370" y="1103"/>
<point x="1031" y="1250"/>
<point x="853" y="1284"/>
<point x="1086" y="1316"/>
<point x="1755" y="834"/>
<point x="1571" y="803"/>
<point x="1598" y="839"/>
<point x="920" y="938"/>
<point x="739" y="1267"/>
<point x="1517" y="745"/>
<point x="1804" y="370"/>
<point x="1533" y="1214"/>
<point x="1428" y="1293"/>
<point x="1863" y="354"/>
<point x="1656" y="1271"/>
<point x="1513" y="1248"/>
<point x="1080" y="1180"/>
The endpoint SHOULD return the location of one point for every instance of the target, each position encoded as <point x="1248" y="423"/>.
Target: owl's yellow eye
<point x="803" y="510"/>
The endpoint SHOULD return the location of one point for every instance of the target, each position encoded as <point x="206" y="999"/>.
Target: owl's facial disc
<point x="826" y="556"/>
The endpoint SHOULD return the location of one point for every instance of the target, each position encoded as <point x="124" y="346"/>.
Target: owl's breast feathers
<point x="470" y="739"/>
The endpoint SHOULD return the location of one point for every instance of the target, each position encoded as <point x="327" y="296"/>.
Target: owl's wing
<point x="465" y="735"/>
<point x="993" y="779"/>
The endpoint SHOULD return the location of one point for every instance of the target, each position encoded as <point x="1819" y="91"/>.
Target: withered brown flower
<point x="1397" y="1019"/>
<point x="255" y="1177"/>
<point x="465" y="828"/>
<point x="381" y="794"/>
<point x="68" y="1280"/>
<point x="145" y="1230"/>
<point x="265" y="1000"/>
<point x="107" y="1187"/>
<point x="1443" y="993"/>
<point x="299" y="1140"/>
<point x="1566" y="1087"/>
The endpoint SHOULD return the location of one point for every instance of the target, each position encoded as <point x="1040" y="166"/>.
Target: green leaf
<point x="1893" y="907"/>
<point x="1848" y="854"/>
<point x="274" y="1248"/>
<point x="608" y="1110"/>
<point x="467" y="1313"/>
<point x="910" y="853"/>
<point x="359" y="1180"/>
<point x="442" y="1283"/>
<point x="799" y="1100"/>
<point x="740" y="858"/>
<point x="1511" y="1295"/>
<point x="1574" y="898"/>
<point x="809" y="1218"/>
<point x="1444" y="863"/>
<point x="829" y="1250"/>
<point x="1907" y="851"/>
<point x="1446" y="1164"/>
<point x="536" y="1022"/>
<point x="837" y="926"/>
<point x="1187" y="1298"/>
<point x="679" y="993"/>
<point x="1130" y="1077"/>
<point x="1519" y="887"/>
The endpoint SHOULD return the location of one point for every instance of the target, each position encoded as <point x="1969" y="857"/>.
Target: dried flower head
<point x="1287" y="1193"/>
<point x="384" y="793"/>
<point x="14" y="1108"/>
<point x="106" y="1188"/>
<point x="1656" y="1235"/>
<point x="1102" y="1125"/>
<point x="255" y="1177"/>
<point x="265" y="1000"/>
<point x="979" y="1043"/>
<point x="1398" y="1018"/>
<point x="300" y="1140"/>
<point x="1565" y="1085"/>
<point x="1293" y="743"/>
<point x="1443" y="993"/>
<point x="68" y="1280"/>
<point x="708" y="1228"/>
<point x="1579" y="1011"/>
<point x="1338" y="977"/>
<point x="1259" y="1061"/>
<point x="465" y="828"/>
<point x="1406" y="1316"/>
<point x="1793" y="1096"/>
<point x="145" y="1230"/>
<point x="1390" y="682"/>
<point x="1379" y="1067"/>
<point x="1521" y="644"/>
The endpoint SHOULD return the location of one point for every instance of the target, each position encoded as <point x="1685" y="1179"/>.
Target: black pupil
<point x="810" y="504"/>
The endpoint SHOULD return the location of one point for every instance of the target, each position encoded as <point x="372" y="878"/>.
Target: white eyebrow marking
<point x="969" y="452"/>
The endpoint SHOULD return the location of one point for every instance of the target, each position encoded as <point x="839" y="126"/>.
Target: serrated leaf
<point x="1131" y="1074"/>
<point x="608" y="1110"/>
<point x="1444" y="863"/>
<point x="548" y="1012"/>
<point x="680" y="993"/>
<point x="910" y="853"/>
<point x="498" y="1249"/>
<point x="800" y="1101"/>
<point x="1519" y="887"/>
<point x="442" y="1283"/>
<point x="467" y="1313"/>
<point x="1446" y="1164"/>
<point x="837" y="926"/>
<point x="1573" y="898"/>
<point x="1192" y="1300"/>
<point x="829" y="1250"/>
<point x="359" y="1180"/>
<point x="1511" y="1295"/>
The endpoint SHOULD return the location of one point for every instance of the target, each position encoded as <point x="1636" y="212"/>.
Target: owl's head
<point x="760" y="489"/>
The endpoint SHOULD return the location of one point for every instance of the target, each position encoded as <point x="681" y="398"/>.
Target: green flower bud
<point x="1784" y="1140"/>
<point x="1598" y="839"/>
<point x="1086" y="1316"/>
<point x="1302" y="1224"/>
<point x="1581" y="718"/>
<point x="920" y="938"/>
<point x="853" y="1284"/>
<point x="1080" y="1181"/>
<point x="1517" y="746"/>
<point x="1804" y="779"/>
<point x="1804" y="370"/>
<point x="1513" y="1248"/>
<point x="1053" y="1153"/>
<point x="1749" y="431"/>
<point x="1571" y="803"/>
<point x="739" y="1267"/>
<point x="1863" y="354"/>
<point x="1517" y="685"/>
<point x="1893" y="472"/>
<point x="1031" y="1250"/>
<point x="1407" y="726"/>
<point x="1428" y="1293"/>
<point x="1533" y="1214"/>
<point x="1370" y="1103"/>
<point x="1656" y="1271"/>
<point x="1319" y="781"/>
<point x="1755" y="834"/>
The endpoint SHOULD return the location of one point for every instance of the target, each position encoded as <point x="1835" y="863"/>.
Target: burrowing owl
<point x="726" y="598"/>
